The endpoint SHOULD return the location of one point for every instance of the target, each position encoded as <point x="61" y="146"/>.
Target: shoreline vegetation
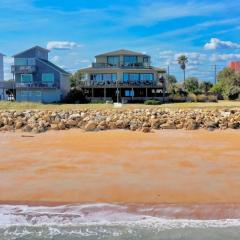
<point x="97" y="117"/>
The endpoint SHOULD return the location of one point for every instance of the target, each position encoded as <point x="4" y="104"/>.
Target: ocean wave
<point x="98" y="214"/>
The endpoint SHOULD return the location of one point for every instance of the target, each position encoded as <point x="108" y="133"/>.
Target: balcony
<point x="36" y="85"/>
<point x="23" y="69"/>
<point x="122" y="65"/>
<point x="114" y="84"/>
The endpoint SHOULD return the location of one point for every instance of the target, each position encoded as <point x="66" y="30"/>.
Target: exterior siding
<point x="45" y="96"/>
<point x="44" y="68"/>
<point x="33" y="53"/>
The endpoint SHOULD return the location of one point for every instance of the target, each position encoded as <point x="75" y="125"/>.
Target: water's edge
<point x="102" y="220"/>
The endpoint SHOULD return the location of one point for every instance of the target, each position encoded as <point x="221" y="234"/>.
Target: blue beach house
<point x="37" y="79"/>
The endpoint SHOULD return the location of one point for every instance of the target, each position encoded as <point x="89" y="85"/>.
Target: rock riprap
<point x="144" y="120"/>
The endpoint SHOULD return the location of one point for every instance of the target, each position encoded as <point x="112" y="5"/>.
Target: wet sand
<point x="164" y="167"/>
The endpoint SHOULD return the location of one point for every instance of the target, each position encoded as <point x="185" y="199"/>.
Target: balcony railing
<point x="91" y="83"/>
<point x="36" y="85"/>
<point x="23" y="69"/>
<point x="121" y="65"/>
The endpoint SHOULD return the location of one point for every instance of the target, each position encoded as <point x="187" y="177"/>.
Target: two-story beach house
<point x="123" y="75"/>
<point x="37" y="79"/>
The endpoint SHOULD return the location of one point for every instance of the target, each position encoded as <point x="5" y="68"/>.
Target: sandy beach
<point x="166" y="166"/>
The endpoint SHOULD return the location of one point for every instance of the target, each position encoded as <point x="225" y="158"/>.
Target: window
<point x="98" y="77"/>
<point x="114" y="77"/>
<point x="130" y="60"/>
<point x="24" y="61"/>
<point x="26" y="78"/>
<point x="105" y="77"/>
<point x="47" y="78"/>
<point x="129" y="93"/>
<point x="125" y="77"/>
<point x="146" y="77"/>
<point x="134" y="77"/>
<point x="21" y="61"/>
<point x="113" y="60"/>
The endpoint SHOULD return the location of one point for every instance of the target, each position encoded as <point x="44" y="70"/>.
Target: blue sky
<point x="77" y="30"/>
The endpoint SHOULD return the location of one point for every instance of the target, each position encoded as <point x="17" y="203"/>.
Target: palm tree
<point x="182" y="61"/>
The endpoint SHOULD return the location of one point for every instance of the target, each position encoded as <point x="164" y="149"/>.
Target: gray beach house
<point x="123" y="75"/>
<point x="37" y="79"/>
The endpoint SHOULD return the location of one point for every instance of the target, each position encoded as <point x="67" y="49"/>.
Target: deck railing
<point x="23" y="69"/>
<point x="91" y="83"/>
<point x="121" y="65"/>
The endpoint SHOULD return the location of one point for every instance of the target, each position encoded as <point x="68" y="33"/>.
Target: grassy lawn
<point x="27" y="105"/>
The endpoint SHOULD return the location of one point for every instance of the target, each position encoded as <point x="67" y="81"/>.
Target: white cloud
<point x="155" y="11"/>
<point x="191" y="68"/>
<point x="62" y="45"/>
<point x="85" y="61"/>
<point x="194" y="58"/>
<point x="170" y="58"/>
<point x="224" y="57"/>
<point x="216" y="43"/>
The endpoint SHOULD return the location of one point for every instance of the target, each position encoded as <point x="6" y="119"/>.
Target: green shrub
<point x="202" y="98"/>
<point x="192" y="97"/>
<point x="176" y="98"/>
<point x="152" y="102"/>
<point x="212" y="98"/>
<point x="75" y="96"/>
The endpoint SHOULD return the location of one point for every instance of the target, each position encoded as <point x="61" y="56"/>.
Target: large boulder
<point x="90" y="126"/>
<point x="18" y="125"/>
<point x="168" y="125"/>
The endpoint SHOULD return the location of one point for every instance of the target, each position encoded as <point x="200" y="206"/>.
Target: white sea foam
<point x="97" y="214"/>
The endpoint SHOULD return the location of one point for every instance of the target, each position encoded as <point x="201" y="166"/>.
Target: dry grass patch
<point x="39" y="106"/>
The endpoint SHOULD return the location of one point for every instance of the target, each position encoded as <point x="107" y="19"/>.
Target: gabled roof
<point x="122" y="52"/>
<point x="41" y="48"/>
<point x="50" y="64"/>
